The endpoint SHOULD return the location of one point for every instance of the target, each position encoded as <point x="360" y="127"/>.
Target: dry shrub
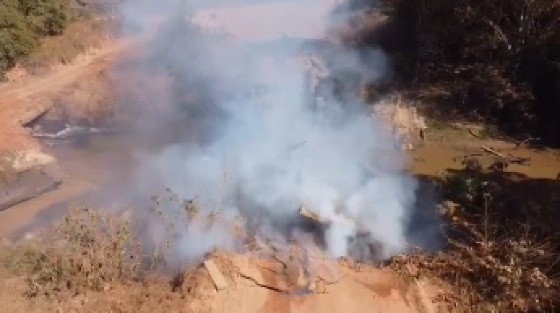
<point x="496" y="275"/>
<point x="90" y="250"/>
<point x="497" y="258"/>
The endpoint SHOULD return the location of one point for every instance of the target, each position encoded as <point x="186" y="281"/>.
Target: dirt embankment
<point x="250" y="282"/>
<point x="92" y="262"/>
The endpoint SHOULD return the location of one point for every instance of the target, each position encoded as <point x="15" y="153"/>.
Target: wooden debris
<point x="494" y="152"/>
<point x="474" y="134"/>
<point x="526" y="141"/>
<point x="467" y="156"/>
<point x="218" y="278"/>
<point x="520" y="161"/>
<point x="507" y="159"/>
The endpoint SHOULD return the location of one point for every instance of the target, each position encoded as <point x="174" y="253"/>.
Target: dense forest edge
<point x="496" y="62"/>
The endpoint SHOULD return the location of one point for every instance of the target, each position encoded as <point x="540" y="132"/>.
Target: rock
<point x="26" y="160"/>
<point x="25" y="175"/>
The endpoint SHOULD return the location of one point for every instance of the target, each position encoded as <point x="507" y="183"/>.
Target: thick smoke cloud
<point x="243" y="113"/>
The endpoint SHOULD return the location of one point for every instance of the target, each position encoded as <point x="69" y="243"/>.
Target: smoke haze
<point x="240" y="102"/>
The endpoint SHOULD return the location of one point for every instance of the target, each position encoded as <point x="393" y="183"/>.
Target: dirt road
<point x="21" y="101"/>
<point x="24" y="100"/>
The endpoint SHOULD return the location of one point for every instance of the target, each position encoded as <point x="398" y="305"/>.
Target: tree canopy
<point x="23" y="22"/>
<point x="498" y="61"/>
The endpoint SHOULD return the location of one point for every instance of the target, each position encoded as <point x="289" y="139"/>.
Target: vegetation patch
<point x="41" y="28"/>
<point x="502" y="245"/>
<point x="78" y="37"/>
<point x="86" y="252"/>
<point x="492" y="61"/>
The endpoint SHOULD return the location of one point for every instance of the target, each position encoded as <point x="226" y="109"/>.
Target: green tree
<point x="46" y="17"/>
<point x="23" y="22"/>
<point x="16" y="38"/>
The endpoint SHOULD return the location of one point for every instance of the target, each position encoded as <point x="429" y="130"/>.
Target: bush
<point x="91" y="249"/>
<point x="502" y="242"/>
<point x="46" y="17"/>
<point x="23" y="22"/>
<point x="16" y="38"/>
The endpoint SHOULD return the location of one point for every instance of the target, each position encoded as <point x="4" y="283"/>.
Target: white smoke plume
<point x="247" y="117"/>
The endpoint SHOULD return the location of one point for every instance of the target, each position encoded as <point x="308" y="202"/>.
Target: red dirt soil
<point x="357" y="289"/>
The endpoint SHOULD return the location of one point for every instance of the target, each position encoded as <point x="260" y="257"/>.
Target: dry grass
<point x="506" y="275"/>
<point x="86" y="251"/>
<point x="90" y="250"/>
<point x="77" y="38"/>
<point x="90" y="262"/>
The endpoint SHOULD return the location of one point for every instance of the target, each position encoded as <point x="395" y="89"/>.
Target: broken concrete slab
<point x="262" y="276"/>
<point x="216" y="275"/>
<point x="271" y="265"/>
